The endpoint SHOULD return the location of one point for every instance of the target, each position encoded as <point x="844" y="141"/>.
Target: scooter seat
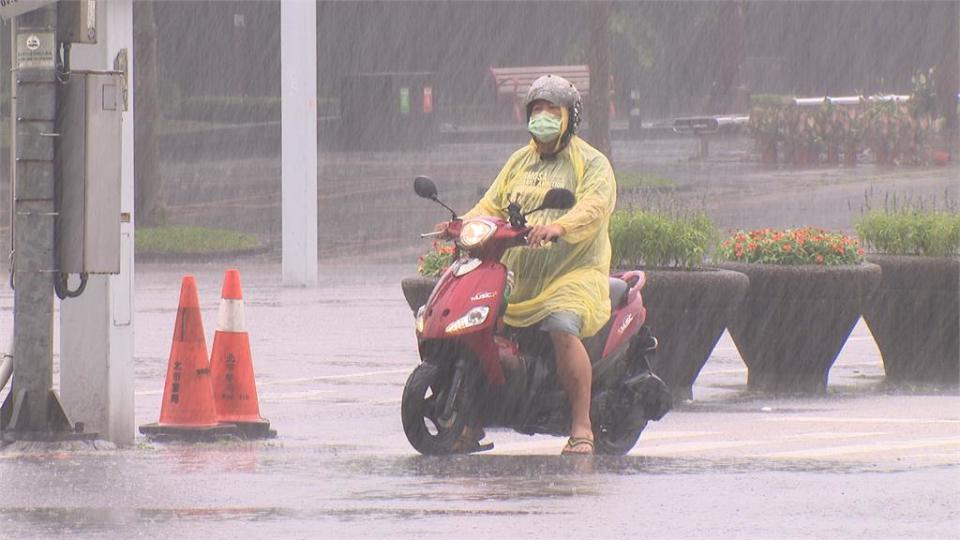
<point x="618" y="292"/>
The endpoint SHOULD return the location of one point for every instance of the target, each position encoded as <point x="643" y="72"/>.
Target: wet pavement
<point x="865" y="461"/>
<point x="366" y="202"/>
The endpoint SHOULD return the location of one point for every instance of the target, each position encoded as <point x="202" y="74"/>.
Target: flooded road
<point x="862" y="462"/>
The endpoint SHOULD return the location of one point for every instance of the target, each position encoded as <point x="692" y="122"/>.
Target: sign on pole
<point x="12" y="8"/>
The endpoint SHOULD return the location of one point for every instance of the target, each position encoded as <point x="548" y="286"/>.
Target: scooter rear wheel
<point x="421" y="410"/>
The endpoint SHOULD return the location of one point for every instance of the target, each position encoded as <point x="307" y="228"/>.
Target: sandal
<point x="469" y="443"/>
<point x="576" y="442"/>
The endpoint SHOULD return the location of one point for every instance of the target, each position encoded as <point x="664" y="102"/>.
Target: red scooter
<point x="477" y="372"/>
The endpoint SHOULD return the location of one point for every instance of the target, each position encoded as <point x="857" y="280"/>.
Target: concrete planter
<point x="417" y="290"/>
<point x="914" y="318"/>
<point x="687" y="310"/>
<point x="795" y="319"/>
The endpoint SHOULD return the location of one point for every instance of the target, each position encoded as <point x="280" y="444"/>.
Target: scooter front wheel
<point x="429" y="424"/>
<point x="615" y="442"/>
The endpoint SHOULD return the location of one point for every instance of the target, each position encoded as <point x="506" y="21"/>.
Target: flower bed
<point x="806" y="292"/>
<point x="808" y="245"/>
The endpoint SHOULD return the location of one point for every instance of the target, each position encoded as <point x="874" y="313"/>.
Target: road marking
<point x="670" y="435"/>
<point x="853" y="420"/>
<point x="833" y="435"/>
<point x="367" y="402"/>
<point x="874" y="448"/>
<point x="724" y="371"/>
<point x="305" y="379"/>
<point x="279" y="397"/>
<point x="338" y="377"/>
<point x="693" y="447"/>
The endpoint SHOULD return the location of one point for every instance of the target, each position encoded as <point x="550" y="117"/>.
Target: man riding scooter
<point x="561" y="286"/>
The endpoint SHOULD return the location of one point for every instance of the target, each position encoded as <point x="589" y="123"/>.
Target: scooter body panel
<point x="629" y="317"/>
<point x="454" y="296"/>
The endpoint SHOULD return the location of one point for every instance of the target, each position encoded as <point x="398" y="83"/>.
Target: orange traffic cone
<point x="188" y="411"/>
<point x="234" y="385"/>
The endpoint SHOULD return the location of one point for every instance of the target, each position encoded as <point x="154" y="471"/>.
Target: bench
<point x="513" y="83"/>
<point x="706" y="126"/>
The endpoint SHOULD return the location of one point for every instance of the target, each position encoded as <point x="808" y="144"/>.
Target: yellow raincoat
<point x="572" y="273"/>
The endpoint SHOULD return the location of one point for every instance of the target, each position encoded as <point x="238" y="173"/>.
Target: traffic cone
<point x="188" y="410"/>
<point x="234" y="385"/>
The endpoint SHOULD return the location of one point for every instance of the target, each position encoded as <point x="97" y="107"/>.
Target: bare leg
<point x="574" y="372"/>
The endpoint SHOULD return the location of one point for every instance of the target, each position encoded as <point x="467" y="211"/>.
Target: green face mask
<point x="544" y="127"/>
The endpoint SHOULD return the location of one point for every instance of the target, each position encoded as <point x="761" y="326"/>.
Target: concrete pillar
<point x="298" y="168"/>
<point x="96" y="328"/>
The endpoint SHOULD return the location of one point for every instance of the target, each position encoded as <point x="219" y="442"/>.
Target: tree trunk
<point x="726" y="95"/>
<point x="946" y="77"/>
<point x="598" y="105"/>
<point x="149" y="206"/>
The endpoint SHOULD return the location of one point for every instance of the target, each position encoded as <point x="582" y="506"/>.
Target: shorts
<point x="562" y="321"/>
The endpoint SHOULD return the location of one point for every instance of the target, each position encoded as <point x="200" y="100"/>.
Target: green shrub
<point x="636" y="179"/>
<point x="180" y="239"/>
<point x="661" y="239"/>
<point x="911" y="232"/>
<point x="791" y="246"/>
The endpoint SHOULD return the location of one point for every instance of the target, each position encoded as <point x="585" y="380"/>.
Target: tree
<point x="598" y="104"/>
<point x="149" y="207"/>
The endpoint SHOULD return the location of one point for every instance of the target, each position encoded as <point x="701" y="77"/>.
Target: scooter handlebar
<point x="451" y="232"/>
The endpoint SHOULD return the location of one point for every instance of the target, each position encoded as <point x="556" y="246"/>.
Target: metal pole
<point x="31" y="407"/>
<point x="13" y="141"/>
<point x="298" y="162"/>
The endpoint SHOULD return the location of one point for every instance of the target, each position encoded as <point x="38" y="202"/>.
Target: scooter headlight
<point x="421" y="319"/>
<point x="476" y="232"/>
<point x="474" y="317"/>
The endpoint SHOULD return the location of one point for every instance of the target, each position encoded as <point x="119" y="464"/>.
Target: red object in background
<point x="940" y="157"/>
<point x="427" y="100"/>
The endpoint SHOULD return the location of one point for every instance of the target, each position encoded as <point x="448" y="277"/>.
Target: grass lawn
<point x="181" y="239"/>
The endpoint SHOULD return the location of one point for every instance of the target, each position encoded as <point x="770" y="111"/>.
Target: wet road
<point x="863" y="462"/>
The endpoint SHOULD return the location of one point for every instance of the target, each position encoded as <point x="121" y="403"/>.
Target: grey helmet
<point x="558" y="91"/>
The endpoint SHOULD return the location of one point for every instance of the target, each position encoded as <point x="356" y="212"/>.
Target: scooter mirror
<point x="558" y="199"/>
<point x="425" y="187"/>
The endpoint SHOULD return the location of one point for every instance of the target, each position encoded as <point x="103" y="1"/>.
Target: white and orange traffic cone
<point x="187" y="410"/>
<point x="231" y="365"/>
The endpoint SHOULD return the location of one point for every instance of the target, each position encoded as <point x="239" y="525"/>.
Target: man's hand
<point x="540" y="235"/>
<point x="442" y="228"/>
